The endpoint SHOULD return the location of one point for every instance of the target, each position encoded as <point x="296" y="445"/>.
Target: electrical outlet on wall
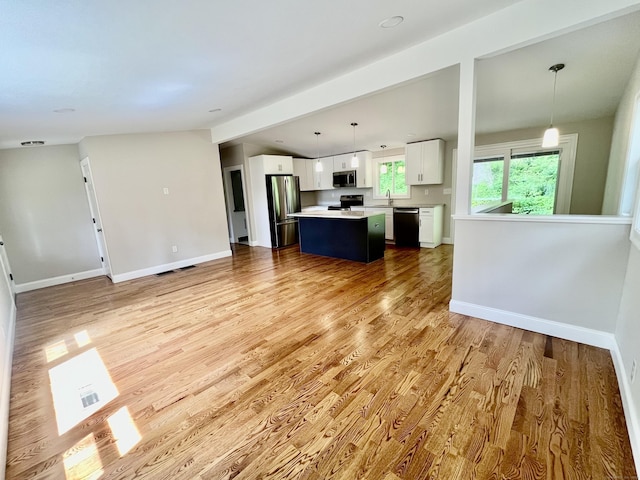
<point x="174" y="248"/>
<point x="634" y="366"/>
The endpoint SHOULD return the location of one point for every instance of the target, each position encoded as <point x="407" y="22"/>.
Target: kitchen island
<point x="357" y="236"/>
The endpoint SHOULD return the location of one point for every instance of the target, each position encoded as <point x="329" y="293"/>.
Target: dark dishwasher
<point x="406" y="222"/>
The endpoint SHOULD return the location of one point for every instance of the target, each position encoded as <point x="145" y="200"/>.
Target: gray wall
<point x="44" y="213"/>
<point x="592" y="159"/>
<point x="140" y="223"/>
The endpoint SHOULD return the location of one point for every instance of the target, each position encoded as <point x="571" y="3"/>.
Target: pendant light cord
<point x="553" y="99"/>
<point x="555" y="69"/>
<point x="354" y="125"/>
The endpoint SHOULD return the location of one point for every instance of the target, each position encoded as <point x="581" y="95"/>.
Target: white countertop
<point x="340" y="214"/>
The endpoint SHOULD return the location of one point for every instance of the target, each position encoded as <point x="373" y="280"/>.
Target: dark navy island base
<point x="352" y="238"/>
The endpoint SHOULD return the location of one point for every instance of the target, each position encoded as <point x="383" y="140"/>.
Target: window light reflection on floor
<point x="124" y="430"/>
<point x="56" y="350"/>
<point x="82" y="338"/>
<point x="82" y="461"/>
<point x="80" y="387"/>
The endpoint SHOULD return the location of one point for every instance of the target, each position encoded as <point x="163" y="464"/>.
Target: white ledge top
<point x="510" y="217"/>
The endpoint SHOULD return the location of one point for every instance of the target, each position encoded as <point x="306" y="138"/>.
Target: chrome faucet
<point x="388" y="195"/>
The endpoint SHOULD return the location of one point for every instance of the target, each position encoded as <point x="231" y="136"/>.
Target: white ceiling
<point x="514" y="91"/>
<point x="160" y="65"/>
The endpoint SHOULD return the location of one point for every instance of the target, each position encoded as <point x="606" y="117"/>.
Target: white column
<point x="466" y="136"/>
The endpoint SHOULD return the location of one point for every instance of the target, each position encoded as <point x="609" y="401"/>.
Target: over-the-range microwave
<point x="344" y="179"/>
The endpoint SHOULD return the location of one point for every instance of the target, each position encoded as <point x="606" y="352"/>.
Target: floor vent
<point x="189" y="267"/>
<point x="164" y="273"/>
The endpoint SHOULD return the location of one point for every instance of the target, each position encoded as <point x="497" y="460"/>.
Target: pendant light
<point x="318" y="164"/>
<point x="383" y="167"/>
<point x="354" y="160"/>
<point x="551" y="135"/>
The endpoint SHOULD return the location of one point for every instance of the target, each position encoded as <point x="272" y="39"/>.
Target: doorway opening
<point x="234" y="187"/>
<point x="95" y="216"/>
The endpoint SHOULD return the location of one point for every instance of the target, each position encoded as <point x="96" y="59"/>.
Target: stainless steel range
<point x="348" y="201"/>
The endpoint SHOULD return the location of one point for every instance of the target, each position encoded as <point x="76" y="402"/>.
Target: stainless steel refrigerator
<point x="283" y="198"/>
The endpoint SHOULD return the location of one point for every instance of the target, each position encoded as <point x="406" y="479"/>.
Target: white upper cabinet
<point x="303" y="168"/>
<point x="342" y="162"/>
<point x="363" y="170"/>
<point x="425" y="162"/>
<point x="323" y="180"/>
<point x="277" y="164"/>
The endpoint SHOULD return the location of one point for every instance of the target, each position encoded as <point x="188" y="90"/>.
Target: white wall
<point x="627" y="333"/>
<point x="7" y="328"/>
<point x="140" y="222"/>
<point x="627" y="337"/>
<point x="552" y="269"/>
<point x="620" y="144"/>
<point x="44" y="214"/>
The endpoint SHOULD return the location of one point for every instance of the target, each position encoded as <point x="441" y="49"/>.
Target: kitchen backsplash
<point x="419" y="196"/>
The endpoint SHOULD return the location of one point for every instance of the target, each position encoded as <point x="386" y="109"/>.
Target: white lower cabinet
<point x="430" y="231"/>
<point x="388" y="220"/>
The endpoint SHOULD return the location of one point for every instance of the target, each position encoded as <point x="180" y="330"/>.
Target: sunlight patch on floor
<point x="124" y="430"/>
<point x="56" y="350"/>
<point x="82" y="461"/>
<point x="82" y="338"/>
<point x="80" y="387"/>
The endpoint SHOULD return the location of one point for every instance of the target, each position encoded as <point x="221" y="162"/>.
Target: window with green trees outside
<point x="528" y="180"/>
<point x="391" y="177"/>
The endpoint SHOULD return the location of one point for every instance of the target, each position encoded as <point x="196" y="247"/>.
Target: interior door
<point x="5" y="266"/>
<point x="95" y="215"/>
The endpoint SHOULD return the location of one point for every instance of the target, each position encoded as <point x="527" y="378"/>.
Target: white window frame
<point x="568" y="145"/>
<point x="376" y="176"/>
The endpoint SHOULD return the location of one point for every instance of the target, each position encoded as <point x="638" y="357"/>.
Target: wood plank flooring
<point x="277" y="365"/>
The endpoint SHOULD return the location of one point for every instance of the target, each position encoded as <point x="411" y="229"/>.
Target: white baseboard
<point x="589" y="336"/>
<point x="123" y="277"/>
<point x="5" y="388"/>
<point x="447" y="240"/>
<point x="630" y="412"/>
<point x="49" y="282"/>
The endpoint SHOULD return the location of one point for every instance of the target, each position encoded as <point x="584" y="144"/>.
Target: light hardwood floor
<point x="282" y="365"/>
